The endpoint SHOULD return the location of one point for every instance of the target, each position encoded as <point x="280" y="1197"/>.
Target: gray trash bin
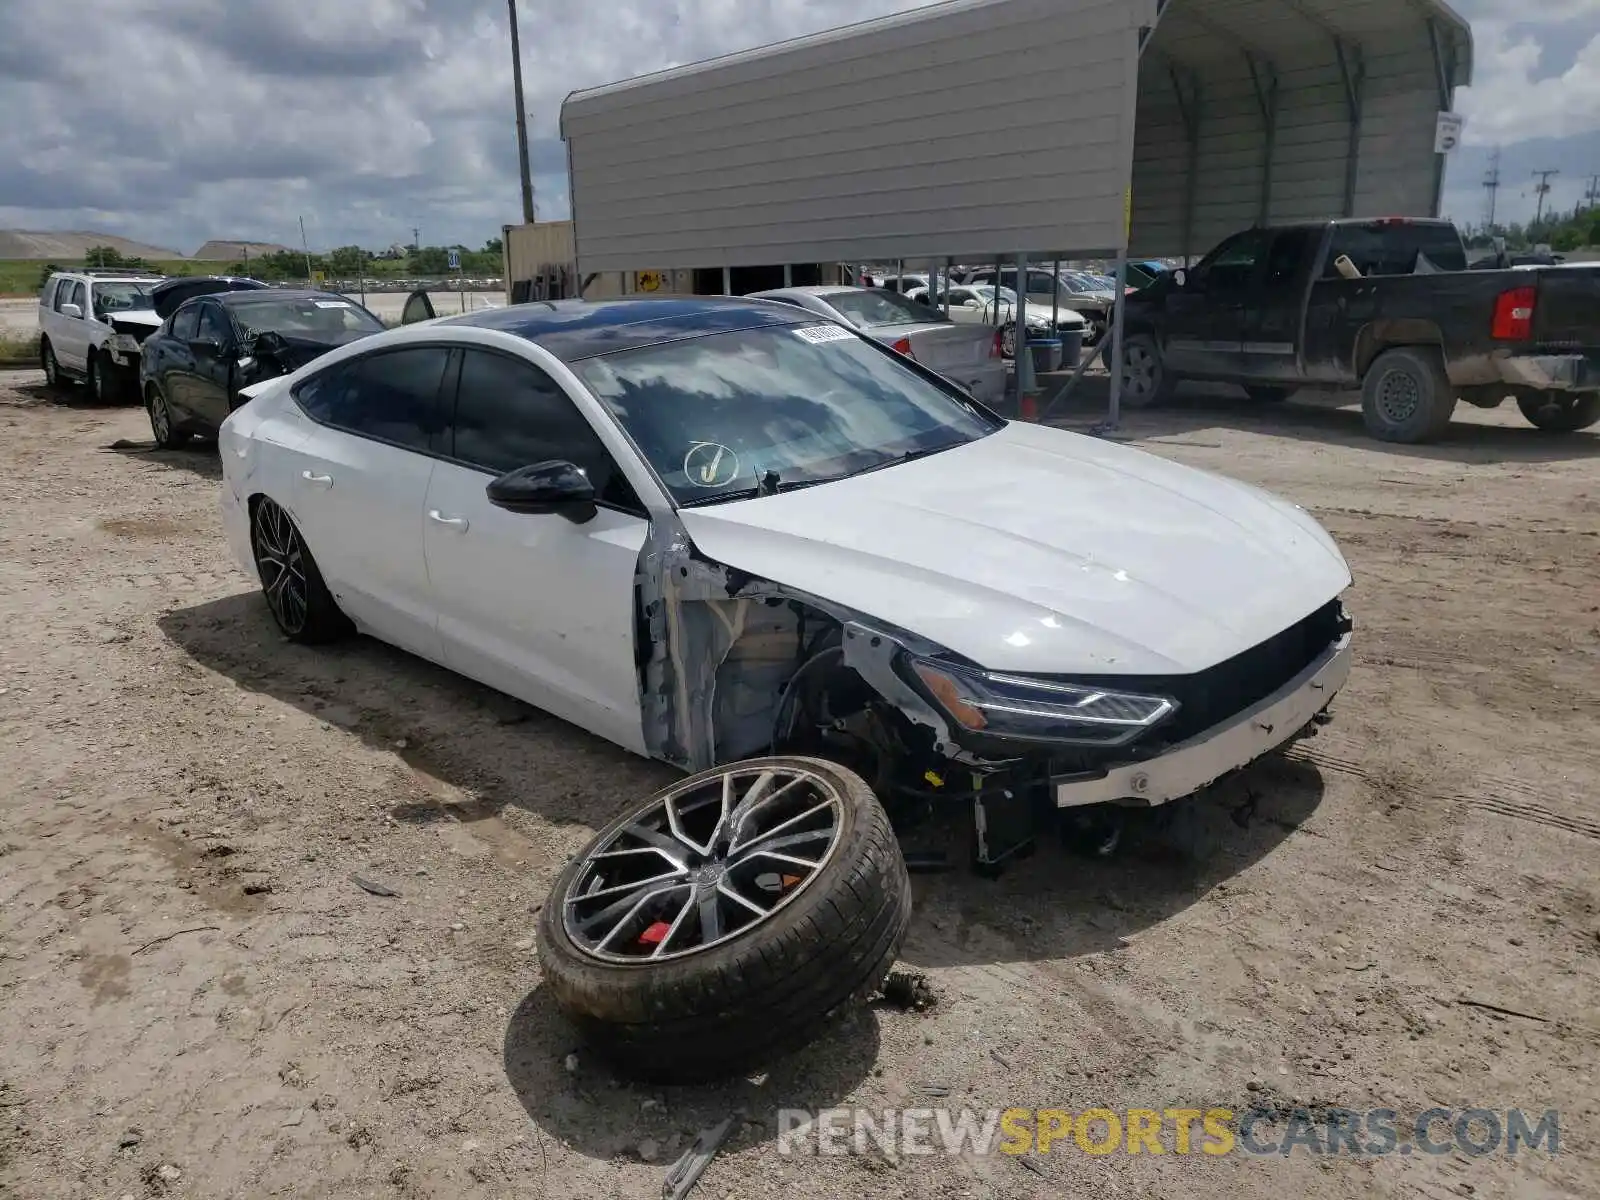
<point x="1046" y="354"/>
<point x="1071" y="349"/>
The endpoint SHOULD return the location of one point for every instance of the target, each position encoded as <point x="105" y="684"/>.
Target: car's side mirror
<point x="70" y="310"/>
<point x="205" y="345"/>
<point x="556" y="486"/>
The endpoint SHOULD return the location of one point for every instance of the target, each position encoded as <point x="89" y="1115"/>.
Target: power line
<point x="1543" y="190"/>
<point x="1491" y="184"/>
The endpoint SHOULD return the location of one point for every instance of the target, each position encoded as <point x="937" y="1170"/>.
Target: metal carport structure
<point x="1040" y="129"/>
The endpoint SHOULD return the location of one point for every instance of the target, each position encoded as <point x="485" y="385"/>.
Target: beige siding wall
<point x="980" y="128"/>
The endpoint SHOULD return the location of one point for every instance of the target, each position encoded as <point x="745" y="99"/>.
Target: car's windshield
<point x="306" y="316"/>
<point x="122" y="297"/>
<point x="778" y="407"/>
<point x="872" y="308"/>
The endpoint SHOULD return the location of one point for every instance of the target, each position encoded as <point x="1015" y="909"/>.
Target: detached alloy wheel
<point x="727" y="919"/>
<point x="300" y="601"/>
<point x="1008" y="342"/>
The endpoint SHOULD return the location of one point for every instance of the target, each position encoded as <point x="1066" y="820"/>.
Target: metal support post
<point x="1264" y="76"/>
<point x="1115" y="413"/>
<point x="727" y="281"/>
<point x="1024" y="356"/>
<point x="1353" y="70"/>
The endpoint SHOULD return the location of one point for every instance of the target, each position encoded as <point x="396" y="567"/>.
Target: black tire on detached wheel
<point x="1145" y="380"/>
<point x="727" y="920"/>
<point x="1561" y="412"/>
<point x="300" y="601"/>
<point x="101" y="387"/>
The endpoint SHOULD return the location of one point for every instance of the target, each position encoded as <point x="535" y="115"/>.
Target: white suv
<point x="91" y="324"/>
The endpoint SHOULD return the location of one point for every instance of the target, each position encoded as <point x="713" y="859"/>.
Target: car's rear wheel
<point x="53" y="379"/>
<point x="300" y="601"/>
<point x="162" y="425"/>
<point x="1144" y="376"/>
<point x="1406" y="396"/>
<point x="1559" y="412"/>
<point x="726" y="920"/>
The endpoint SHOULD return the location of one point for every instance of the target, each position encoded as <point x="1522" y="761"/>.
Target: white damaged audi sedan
<point x="712" y="528"/>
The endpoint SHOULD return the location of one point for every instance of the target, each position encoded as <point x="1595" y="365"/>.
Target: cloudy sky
<point x="175" y="121"/>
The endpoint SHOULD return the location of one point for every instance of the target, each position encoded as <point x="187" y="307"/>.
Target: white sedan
<point x="709" y="528"/>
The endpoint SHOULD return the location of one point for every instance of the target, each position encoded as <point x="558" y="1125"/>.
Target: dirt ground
<point x="197" y="1000"/>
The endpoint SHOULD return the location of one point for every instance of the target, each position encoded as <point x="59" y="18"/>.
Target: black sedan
<point x="193" y="367"/>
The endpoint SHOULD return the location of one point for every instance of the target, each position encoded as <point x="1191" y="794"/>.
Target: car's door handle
<point x="459" y="524"/>
<point x="315" y="480"/>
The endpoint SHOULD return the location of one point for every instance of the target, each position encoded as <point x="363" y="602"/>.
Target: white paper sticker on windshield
<point x="817" y="334"/>
<point x="332" y="303"/>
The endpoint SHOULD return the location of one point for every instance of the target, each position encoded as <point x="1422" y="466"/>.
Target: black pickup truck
<point x="1387" y="305"/>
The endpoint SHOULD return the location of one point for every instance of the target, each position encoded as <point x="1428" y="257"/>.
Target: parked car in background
<point x="964" y="354"/>
<point x="1071" y="290"/>
<point x="903" y="283"/>
<point x="90" y="327"/>
<point x="1387" y="305"/>
<point x="975" y="304"/>
<point x="217" y="341"/>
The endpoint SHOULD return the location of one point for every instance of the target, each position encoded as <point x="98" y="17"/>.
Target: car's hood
<point x="166" y="297"/>
<point x="1040" y="550"/>
<point x="134" y="316"/>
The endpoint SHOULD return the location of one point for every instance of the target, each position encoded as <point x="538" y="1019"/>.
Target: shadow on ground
<point x="604" y="1117"/>
<point x="444" y="726"/>
<point x="1050" y="906"/>
<point x="1057" y="905"/>
<point x="1325" y="418"/>
<point x="199" y="458"/>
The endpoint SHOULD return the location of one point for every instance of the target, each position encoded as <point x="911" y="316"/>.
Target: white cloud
<point x="1508" y="102"/>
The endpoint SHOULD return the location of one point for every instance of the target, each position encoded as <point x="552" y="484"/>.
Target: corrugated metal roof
<point x="980" y="127"/>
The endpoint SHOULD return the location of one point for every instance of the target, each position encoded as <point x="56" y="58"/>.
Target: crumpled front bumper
<point x="1203" y="759"/>
<point x="1552" y="372"/>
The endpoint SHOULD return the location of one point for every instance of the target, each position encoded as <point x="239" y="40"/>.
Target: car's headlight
<point x="123" y="343"/>
<point x="1010" y="706"/>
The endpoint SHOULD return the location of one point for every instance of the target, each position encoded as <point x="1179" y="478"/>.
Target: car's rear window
<point x="874" y="309"/>
<point x="1397" y="248"/>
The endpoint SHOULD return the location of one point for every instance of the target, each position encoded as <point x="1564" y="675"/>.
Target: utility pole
<point x="1591" y="197"/>
<point x="305" y="248"/>
<point x="416" y="238"/>
<point x="1543" y="190"/>
<point x="522" y="119"/>
<point x="1491" y="184"/>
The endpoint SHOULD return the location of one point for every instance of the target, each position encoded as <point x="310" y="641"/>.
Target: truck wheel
<point x="1406" y="396"/>
<point x="1558" y="412"/>
<point x="1268" y="395"/>
<point x="727" y="919"/>
<point x="1144" y="377"/>
<point x="101" y="385"/>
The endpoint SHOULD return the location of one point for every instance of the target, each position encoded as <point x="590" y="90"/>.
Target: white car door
<point x="70" y="337"/>
<point x="538" y="606"/>
<point x="357" y="484"/>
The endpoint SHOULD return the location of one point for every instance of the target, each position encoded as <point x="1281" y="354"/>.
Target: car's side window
<point x="214" y="325"/>
<point x="79" y="297"/>
<point x="392" y="396"/>
<point x="185" y="322"/>
<point x="510" y="414"/>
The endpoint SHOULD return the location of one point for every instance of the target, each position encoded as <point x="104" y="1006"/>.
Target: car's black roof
<point x="579" y="329"/>
<point x="265" y="295"/>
